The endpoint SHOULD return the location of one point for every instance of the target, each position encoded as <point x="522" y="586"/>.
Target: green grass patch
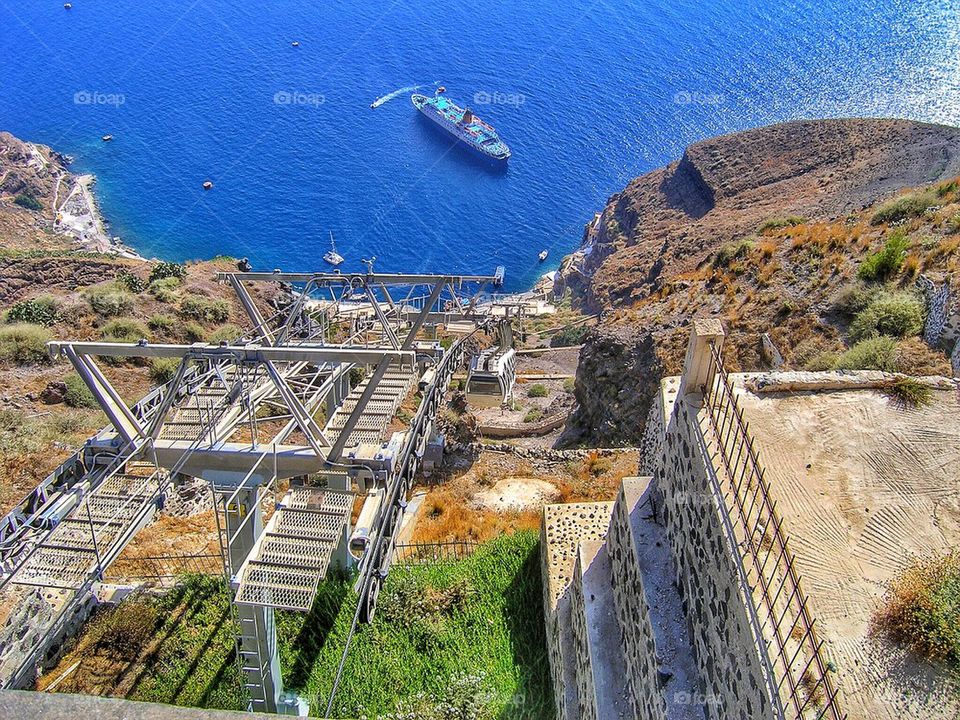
<point x="161" y="322"/>
<point x="533" y="415"/>
<point x="465" y="633"/>
<point x="124" y="330"/>
<point x="903" y="208"/>
<point x="538" y="390"/>
<point x="78" y="395"/>
<point x="165" y="289"/>
<point x="109" y="300"/>
<point x="778" y="223"/>
<point x="570" y="335"/>
<point x="225" y="333"/>
<point x="162" y="370"/>
<point x="911" y="392"/>
<point x="211" y="311"/>
<point x="732" y="251"/>
<point x="24" y="343"/>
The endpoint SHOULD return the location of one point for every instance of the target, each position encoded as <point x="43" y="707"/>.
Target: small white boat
<point x="542" y="255"/>
<point x="332" y="256"/>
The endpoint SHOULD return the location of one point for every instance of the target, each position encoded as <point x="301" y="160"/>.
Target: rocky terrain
<point x="760" y="228"/>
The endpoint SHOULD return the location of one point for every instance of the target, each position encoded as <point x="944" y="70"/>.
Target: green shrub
<point x="852" y="300"/>
<point x="165" y="270"/>
<point x="43" y="310"/>
<point x="952" y="224"/>
<point x="538" y="390"/>
<point x="884" y="263"/>
<point x="24" y="343"/>
<point x="211" y="311"/>
<point x="822" y="362"/>
<point x="65" y="424"/>
<point x="779" y="223"/>
<point x="533" y="415"/>
<point x="894" y="314"/>
<point x="165" y="289"/>
<point x="732" y="251"/>
<point x="570" y="335"/>
<point x="28" y="201"/>
<point x="875" y="354"/>
<point x="921" y="609"/>
<point x="78" y="394"/>
<point x="162" y="370"/>
<point x="109" y="300"/>
<point x="569" y="385"/>
<point x="193" y="332"/>
<point x="161" y="322"/>
<point x="944" y="189"/>
<point x="225" y="333"/>
<point x="903" y="208"/>
<point x="911" y="392"/>
<point x="131" y="282"/>
<point x="124" y="330"/>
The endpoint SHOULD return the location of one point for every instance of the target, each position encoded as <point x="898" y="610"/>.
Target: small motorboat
<point x="107" y="138"/>
<point x="332" y="256"/>
<point x="543" y="255"/>
<point x="295" y="43"/>
<point x="207" y="185"/>
<point x="67" y="6"/>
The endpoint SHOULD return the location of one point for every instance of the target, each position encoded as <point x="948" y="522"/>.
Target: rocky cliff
<point x="649" y="258"/>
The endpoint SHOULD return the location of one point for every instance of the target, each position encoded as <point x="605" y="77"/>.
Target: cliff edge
<point x="662" y="233"/>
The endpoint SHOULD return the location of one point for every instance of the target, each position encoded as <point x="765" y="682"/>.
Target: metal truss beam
<point x="108" y="398"/>
<point x="259" y="324"/>
<point x="242" y="353"/>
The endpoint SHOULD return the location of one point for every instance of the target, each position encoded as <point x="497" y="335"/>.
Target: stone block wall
<point x="633" y="615"/>
<point x="581" y="645"/>
<point x="563" y="527"/>
<point x="728" y="658"/>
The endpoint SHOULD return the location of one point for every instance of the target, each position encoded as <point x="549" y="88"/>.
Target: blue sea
<point x="587" y="93"/>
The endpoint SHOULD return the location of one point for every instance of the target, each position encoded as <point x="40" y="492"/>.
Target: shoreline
<point x="79" y="217"/>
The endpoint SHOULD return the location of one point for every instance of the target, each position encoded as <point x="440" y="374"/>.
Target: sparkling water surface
<point x="586" y="94"/>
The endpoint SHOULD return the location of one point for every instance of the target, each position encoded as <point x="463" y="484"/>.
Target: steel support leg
<point x="260" y="660"/>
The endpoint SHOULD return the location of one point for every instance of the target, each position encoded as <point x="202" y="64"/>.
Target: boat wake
<point x="396" y="93"/>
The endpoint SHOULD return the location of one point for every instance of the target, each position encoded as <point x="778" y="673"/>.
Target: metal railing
<point x="802" y="679"/>
<point x="431" y="553"/>
<point x="162" y="569"/>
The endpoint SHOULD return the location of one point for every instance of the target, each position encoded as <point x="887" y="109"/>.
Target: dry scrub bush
<point x="921" y="610"/>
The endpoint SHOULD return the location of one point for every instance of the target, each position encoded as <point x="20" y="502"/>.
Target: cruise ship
<point x="462" y="124"/>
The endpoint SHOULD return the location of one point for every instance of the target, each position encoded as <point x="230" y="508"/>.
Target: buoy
<point x="296" y="43"/>
<point x="107" y="138"/>
<point x="207" y="185"/>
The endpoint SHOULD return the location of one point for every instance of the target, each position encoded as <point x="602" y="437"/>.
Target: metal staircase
<point x="294" y="551"/>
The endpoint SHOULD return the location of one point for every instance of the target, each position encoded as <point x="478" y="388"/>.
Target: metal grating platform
<point x="379" y="410"/>
<point x="294" y="550"/>
<point x="68" y="555"/>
